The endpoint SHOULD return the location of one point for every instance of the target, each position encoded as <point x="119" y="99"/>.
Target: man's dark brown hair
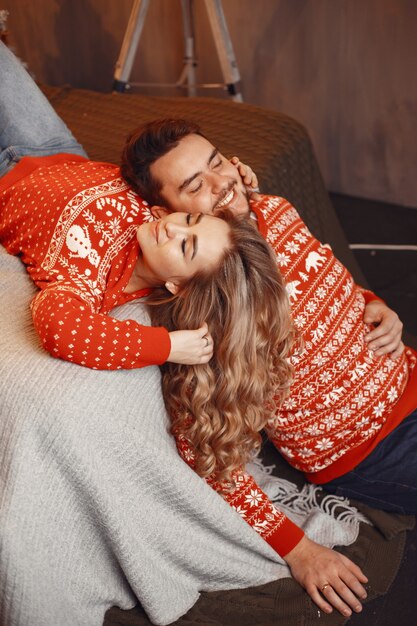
<point x="147" y="144"/>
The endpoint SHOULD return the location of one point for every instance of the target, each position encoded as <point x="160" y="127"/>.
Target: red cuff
<point x="156" y="346"/>
<point x="285" y="537"/>
<point x="369" y="296"/>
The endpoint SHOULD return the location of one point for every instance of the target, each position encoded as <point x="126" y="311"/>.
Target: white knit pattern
<point x="341" y="392"/>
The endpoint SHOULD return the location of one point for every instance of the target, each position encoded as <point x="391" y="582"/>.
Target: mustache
<point x="231" y="186"/>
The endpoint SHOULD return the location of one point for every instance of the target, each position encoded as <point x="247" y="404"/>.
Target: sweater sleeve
<point x="369" y="295"/>
<point x="70" y="330"/>
<point x="254" y="506"/>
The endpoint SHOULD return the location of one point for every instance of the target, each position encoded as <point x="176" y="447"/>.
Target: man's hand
<point x="330" y="579"/>
<point x="191" y="347"/>
<point x="386" y="337"/>
<point x="248" y="176"/>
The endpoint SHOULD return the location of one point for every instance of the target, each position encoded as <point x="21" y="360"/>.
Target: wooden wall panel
<point x="345" y="68"/>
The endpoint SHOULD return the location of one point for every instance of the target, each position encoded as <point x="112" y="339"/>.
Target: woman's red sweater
<point x="74" y="222"/>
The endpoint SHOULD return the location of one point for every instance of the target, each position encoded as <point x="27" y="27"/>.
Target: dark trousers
<point x="387" y="478"/>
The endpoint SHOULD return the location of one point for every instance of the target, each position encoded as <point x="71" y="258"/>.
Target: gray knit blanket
<point x="97" y="508"/>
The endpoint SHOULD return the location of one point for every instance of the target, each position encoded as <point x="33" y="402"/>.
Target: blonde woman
<point x="89" y="244"/>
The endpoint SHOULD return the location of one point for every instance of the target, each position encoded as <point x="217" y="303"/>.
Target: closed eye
<point x="184" y="241"/>
<point x="196" y="188"/>
<point x="190" y="221"/>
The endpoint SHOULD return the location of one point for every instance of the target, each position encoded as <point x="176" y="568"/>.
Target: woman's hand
<point x="248" y="176"/>
<point x="191" y="347"/>
<point x="330" y="579"/>
<point x="386" y="337"/>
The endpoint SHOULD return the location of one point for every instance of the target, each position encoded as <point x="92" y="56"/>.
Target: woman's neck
<point x="139" y="280"/>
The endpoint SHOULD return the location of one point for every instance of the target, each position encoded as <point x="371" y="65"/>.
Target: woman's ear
<point x="172" y="287"/>
<point x="159" y="212"/>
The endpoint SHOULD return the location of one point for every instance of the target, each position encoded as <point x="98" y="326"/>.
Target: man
<point x="170" y="163"/>
<point x="348" y="396"/>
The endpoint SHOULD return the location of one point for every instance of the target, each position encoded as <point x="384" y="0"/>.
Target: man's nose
<point x="219" y="183"/>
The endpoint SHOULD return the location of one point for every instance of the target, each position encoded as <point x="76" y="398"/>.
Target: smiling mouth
<point x="227" y="199"/>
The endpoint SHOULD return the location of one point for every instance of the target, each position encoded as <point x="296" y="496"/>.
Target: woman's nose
<point x="174" y="230"/>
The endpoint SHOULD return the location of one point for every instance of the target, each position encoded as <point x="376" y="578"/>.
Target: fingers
<point x="389" y="325"/>
<point x="397" y="352"/>
<point x="205" y="352"/>
<point x="331" y="579"/>
<point x="246" y="173"/>
<point x="191" y="347"/>
<point x="394" y="347"/>
<point x="207" y="344"/>
<point x="338" y="595"/>
<point x="355" y="573"/>
<point x="254" y="196"/>
<point x="203" y="330"/>
<point x="386" y="337"/>
<point x="321" y="602"/>
<point x="342" y="594"/>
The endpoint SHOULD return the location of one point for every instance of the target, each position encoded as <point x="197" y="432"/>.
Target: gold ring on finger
<point x="325" y="586"/>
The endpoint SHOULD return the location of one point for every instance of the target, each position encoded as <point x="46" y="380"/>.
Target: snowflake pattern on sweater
<point x="252" y="504"/>
<point x="75" y="226"/>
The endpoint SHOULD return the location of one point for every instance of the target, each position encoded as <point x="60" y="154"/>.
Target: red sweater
<point x="74" y="222"/>
<point x="343" y="400"/>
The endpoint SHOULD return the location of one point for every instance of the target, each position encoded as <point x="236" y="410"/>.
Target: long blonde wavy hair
<point x="222" y="406"/>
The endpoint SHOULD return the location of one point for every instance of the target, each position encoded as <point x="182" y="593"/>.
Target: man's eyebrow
<point x="212" y="155"/>
<point x="190" y="179"/>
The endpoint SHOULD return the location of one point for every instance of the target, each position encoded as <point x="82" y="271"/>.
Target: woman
<point x="80" y="232"/>
<point x="87" y="241"/>
<point x="248" y="315"/>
